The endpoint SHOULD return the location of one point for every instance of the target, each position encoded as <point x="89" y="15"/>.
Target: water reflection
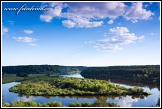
<point x="123" y="101"/>
<point x="127" y="101"/>
<point x="26" y="98"/>
<point x="129" y="83"/>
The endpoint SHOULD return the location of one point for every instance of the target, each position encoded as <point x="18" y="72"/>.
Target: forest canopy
<point x="41" y="69"/>
<point x="145" y="74"/>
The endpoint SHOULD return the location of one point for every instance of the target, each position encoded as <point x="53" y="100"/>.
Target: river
<point x="122" y="101"/>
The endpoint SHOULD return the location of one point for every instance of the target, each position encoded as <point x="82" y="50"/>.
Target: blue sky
<point x="81" y="33"/>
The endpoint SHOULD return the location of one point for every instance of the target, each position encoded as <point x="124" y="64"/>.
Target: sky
<point x="80" y="33"/>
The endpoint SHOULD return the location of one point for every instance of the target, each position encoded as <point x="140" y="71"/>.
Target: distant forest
<point x="145" y="74"/>
<point x="41" y="69"/>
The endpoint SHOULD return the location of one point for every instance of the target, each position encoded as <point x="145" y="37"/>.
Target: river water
<point x="122" y="101"/>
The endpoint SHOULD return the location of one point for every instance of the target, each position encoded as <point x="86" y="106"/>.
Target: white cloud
<point x="4" y="30"/>
<point x="99" y="10"/>
<point x="136" y="12"/>
<point x="106" y="47"/>
<point x="46" y="18"/>
<point x="110" y="22"/>
<point x="87" y="24"/>
<point x="118" y="30"/>
<point x="89" y="42"/>
<point x="134" y="21"/>
<point x="68" y="23"/>
<point x="83" y="15"/>
<point x="54" y="11"/>
<point x="122" y="36"/>
<point x="141" y="37"/>
<point x="81" y="23"/>
<point x="153" y="34"/>
<point x="91" y="14"/>
<point x="33" y="45"/>
<point x="25" y="39"/>
<point x="28" y="31"/>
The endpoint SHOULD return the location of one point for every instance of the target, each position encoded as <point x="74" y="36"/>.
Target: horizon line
<point x="81" y="65"/>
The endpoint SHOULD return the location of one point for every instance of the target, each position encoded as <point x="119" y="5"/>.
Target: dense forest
<point x="73" y="86"/>
<point x="28" y="72"/>
<point x="40" y="69"/>
<point x="145" y="74"/>
<point x="149" y="74"/>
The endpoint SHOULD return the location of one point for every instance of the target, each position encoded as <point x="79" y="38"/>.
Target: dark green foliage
<point x="22" y="75"/>
<point x="95" y="104"/>
<point x="57" y="104"/>
<point x="41" y="69"/>
<point x="5" y="105"/>
<point x="13" y="78"/>
<point x="52" y="104"/>
<point x="30" y="69"/>
<point x="31" y="104"/>
<point x="73" y="86"/>
<point x="23" y="104"/>
<point x="104" y="104"/>
<point x="145" y="74"/>
<point x="77" y="104"/>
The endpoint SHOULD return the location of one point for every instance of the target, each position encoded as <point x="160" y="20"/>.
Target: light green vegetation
<point x="95" y="104"/>
<point x="73" y="86"/>
<point x="31" y="104"/>
<point x="57" y="104"/>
